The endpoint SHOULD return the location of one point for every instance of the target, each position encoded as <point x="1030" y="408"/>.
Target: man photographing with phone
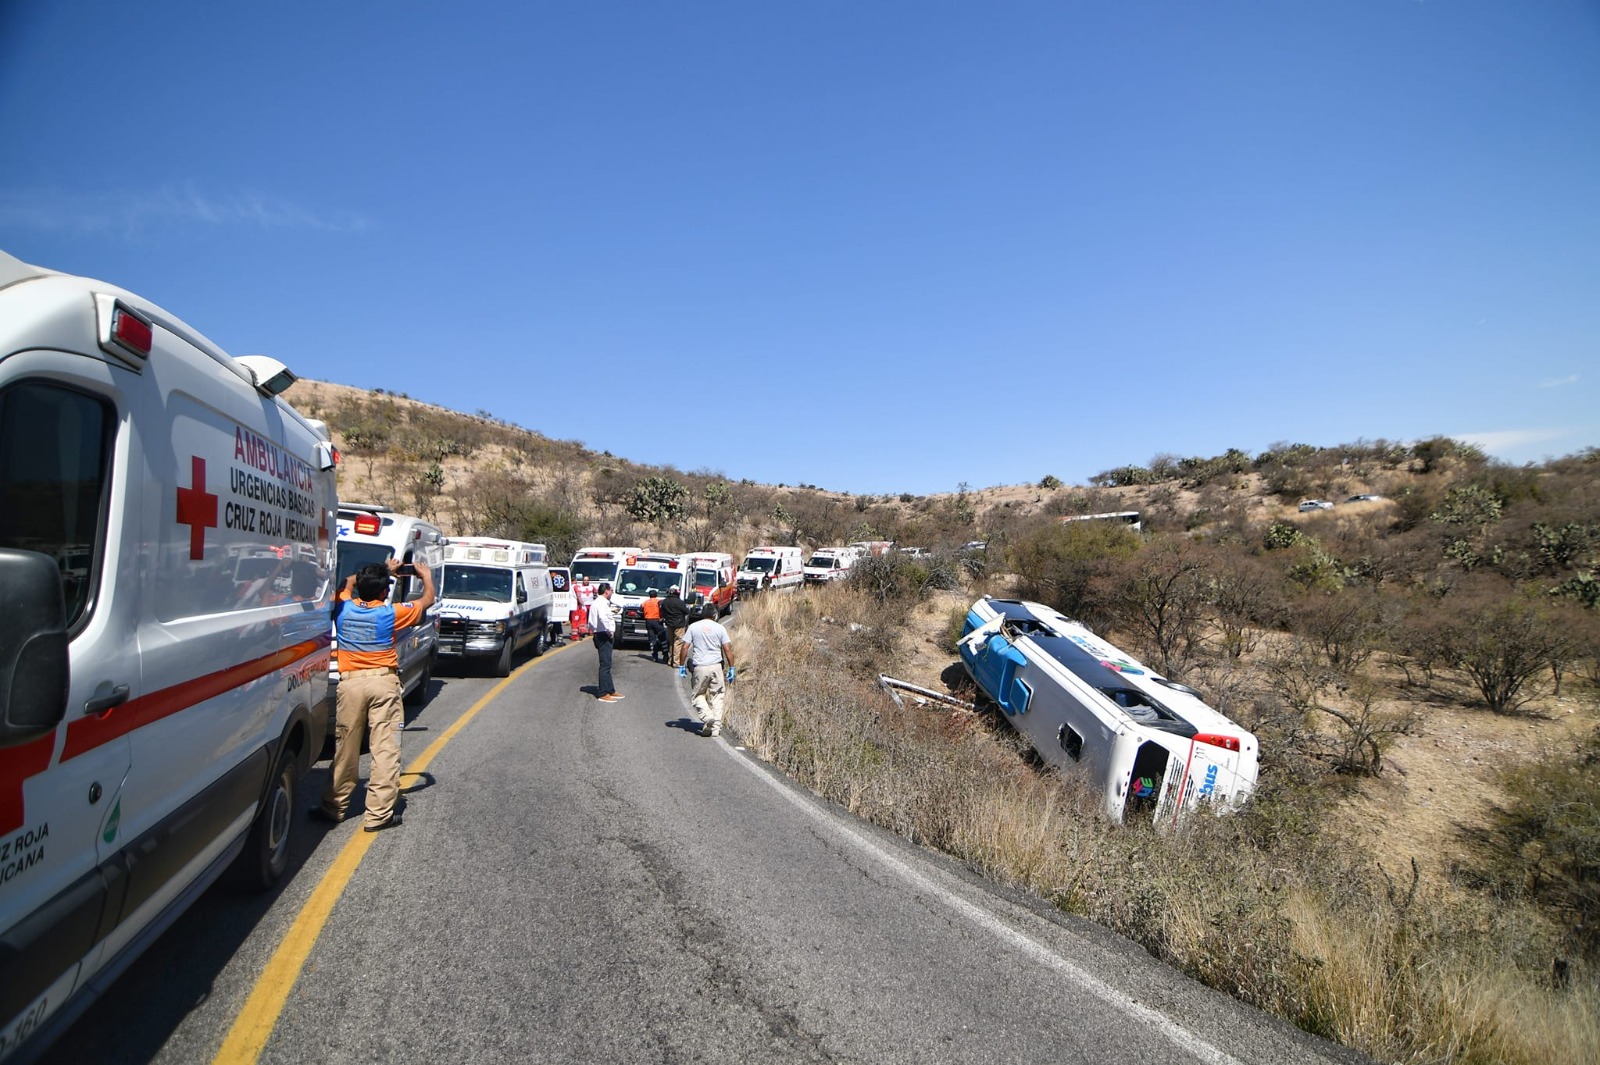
<point x="370" y="695"/>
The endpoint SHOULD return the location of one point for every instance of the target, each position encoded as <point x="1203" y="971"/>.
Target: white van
<point x="830" y="564"/>
<point x="370" y="533"/>
<point x="600" y="564"/>
<point x="767" y="568"/>
<point x="494" y="599"/>
<point x="166" y="533"/>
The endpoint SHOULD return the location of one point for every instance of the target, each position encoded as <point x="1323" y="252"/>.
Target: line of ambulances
<point x="170" y="545"/>
<point x="166" y="571"/>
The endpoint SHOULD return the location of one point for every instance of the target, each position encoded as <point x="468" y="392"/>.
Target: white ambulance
<point x="371" y="533"/>
<point x="600" y="564"/>
<point x="830" y="564"/>
<point x="768" y="568"/>
<point x="665" y="574"/>
<point x="166" y="536"/>
<point x="494" y="599"/>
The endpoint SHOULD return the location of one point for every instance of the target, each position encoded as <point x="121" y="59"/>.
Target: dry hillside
<point x="1453" y="536"/>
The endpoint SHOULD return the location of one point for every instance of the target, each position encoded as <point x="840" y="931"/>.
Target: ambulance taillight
<point x="368" y="525"/>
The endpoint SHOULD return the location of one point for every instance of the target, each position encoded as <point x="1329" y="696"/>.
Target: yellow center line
<point x="254" y="1025"/>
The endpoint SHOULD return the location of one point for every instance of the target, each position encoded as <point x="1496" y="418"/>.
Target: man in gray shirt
<point x="707" y="653"/>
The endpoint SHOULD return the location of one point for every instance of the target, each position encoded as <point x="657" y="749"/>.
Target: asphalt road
<point x="582" y="882"/>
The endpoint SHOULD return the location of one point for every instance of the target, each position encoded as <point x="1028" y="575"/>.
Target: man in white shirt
<point x="707" y="651"/>
<point x="603" y="621"/>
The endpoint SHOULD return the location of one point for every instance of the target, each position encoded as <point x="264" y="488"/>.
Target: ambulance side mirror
<point x="33" y="647"/>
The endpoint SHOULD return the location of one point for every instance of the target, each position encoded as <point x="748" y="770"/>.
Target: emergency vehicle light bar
<point x="368" y="525"/>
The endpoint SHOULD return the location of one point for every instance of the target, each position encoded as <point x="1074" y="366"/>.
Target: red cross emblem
<point x="197" y="508"/>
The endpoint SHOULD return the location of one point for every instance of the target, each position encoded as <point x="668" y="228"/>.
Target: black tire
<point x="538" y="640"/>
<point x="502" y="665"/>
<point x="266" y="849"/>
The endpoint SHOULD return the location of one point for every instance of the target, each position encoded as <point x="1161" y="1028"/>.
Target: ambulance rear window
<point x="54" y="472"/>
<point x="352" y="556"/>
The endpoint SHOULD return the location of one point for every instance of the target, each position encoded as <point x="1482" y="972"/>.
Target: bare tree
<point x="1159" y="597"/>
<point x="1502" y="642"/>
<point x="1356" y="729"/>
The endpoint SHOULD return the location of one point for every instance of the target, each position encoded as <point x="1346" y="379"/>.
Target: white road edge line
<point x="989" y="923"/>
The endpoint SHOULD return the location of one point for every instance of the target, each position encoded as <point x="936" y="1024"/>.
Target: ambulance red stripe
<point x="87" y="733"/>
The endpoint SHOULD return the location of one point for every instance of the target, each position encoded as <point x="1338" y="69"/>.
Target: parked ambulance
<point x="766" y="568"/>
<point x="166" y="536"/>
<point x="494" y="600"/>
<point x="830" y="564"/>
<point x="600" y="564"/>
<point x="713" y="579"/>
<point x="370" y="533"/>
<point x="664" y="574"/>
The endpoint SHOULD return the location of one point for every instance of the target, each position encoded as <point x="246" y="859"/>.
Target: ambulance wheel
<point x="502" y="665"/>
<point x="266" y="849"/>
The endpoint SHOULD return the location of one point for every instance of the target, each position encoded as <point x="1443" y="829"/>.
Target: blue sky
<point x="877" y="247"/>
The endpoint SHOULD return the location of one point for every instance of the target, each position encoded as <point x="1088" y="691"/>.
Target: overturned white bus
<point x="1150" y="745"/>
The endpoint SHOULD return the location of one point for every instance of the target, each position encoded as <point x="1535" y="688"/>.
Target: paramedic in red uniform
<point x="370" y="695"/>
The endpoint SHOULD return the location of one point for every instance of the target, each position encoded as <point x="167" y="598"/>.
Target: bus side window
<point x="1071" y="742"/>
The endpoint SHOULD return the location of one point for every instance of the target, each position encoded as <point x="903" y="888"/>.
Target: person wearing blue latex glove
<point x="731" y="673"/>
<point x="705" y="648"/>
<point x="683" y="671"/>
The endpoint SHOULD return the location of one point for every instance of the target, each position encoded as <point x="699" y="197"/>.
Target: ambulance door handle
<point x="103" y="703"/>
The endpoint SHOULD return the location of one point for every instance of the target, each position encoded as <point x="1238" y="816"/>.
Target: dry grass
<point x="1273" y="905"/>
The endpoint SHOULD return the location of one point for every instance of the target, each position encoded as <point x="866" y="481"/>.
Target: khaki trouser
<point x="709" y="686"/>
<point x="368" y="699"/>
